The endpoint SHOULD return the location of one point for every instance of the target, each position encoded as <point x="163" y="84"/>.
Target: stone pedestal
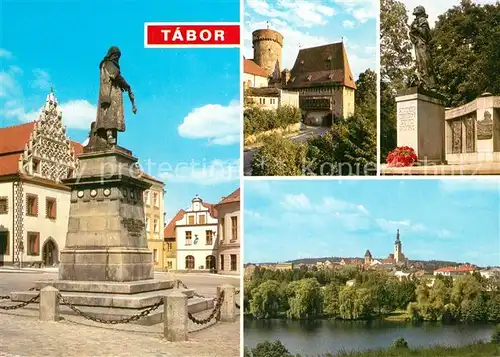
<point x="106" y="238"/>
<point x="421" y="123"/>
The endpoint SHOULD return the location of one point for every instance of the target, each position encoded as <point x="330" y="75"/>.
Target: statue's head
<point x="419" y="11"/>
<point x="114" y="53"/>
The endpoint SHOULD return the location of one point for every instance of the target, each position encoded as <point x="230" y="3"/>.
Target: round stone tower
<point x="267" y="49"/>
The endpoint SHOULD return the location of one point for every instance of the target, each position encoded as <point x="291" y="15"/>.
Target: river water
<point x="321" y="336"/>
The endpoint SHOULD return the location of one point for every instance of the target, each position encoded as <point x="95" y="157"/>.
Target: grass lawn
<point x="475" y="350"/>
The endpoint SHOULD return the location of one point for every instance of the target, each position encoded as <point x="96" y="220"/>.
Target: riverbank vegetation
<point x="399" y="348"/>
<point x="356" y="294"/>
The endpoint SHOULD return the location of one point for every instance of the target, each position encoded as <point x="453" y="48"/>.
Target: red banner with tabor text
<point x="165" y="35"/>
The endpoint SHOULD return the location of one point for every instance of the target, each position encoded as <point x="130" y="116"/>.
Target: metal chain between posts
<point x="194" y="292"/>
<point x="126" y="320"/>
<point x="215" y="312"/>
<point x="23" y="304"/>
<point x="7" y="297"/>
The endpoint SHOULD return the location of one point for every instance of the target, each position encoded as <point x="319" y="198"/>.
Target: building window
<point x="188" y="237"/>
<point x="156" y="225"/>
<point x="210" y="262"/>
<point x="32" y="205"/>
<point x="4" y="205"/>
<point x="222" y="229"/>
<point x="234" y="262"/>
<point x="33" y="243"/>
<point x="189" y="262"/>
<point x="147" y="224"/>
<point x="51" y="208"/>
<point x="4" y="243"/>
<point x="156" y="201"/>
<point x="201" y="219"/>
<point x="169" y="265"/>
<point x="234" y="229"/>
<point x="190" y="220"/>
<point x="210" y="236"/>
<point x="155" y="255"/>
<point x="35" y="164"/>
<point x="169" y="247"/>
<point x="222" y="262"/>
<point x="147" y="197"/>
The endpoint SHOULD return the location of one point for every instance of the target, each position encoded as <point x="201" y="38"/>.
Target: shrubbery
<point x="258" y="120"/>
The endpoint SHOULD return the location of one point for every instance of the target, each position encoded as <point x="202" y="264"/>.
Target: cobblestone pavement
<point x="23" y="335"/>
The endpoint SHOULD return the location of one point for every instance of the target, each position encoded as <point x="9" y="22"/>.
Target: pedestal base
<point x="112" y="300"/>
<point x="420" y="123"/>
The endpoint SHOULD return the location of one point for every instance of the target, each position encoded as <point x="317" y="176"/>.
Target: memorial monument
<point x="420" y="109"/>
<point x="106" y="265"/>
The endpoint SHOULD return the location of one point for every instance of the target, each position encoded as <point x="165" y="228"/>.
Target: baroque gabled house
<point x="34" y="204"/>
<point x="229" y="227"/>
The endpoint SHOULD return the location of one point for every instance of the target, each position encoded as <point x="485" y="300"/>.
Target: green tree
<point x="494" y="308"/>
<point x="279" y="157"/>
<point x="465" y="287"/>
<point x="473" y="310"/>
<point x="270" y="349"/>
<point x="349" y="148"/>
<point x="355" y="303"/>
<point x="366" y="96"/>
<point x="466" y="51"/>
<point x="305" y="299"/>
<point x="331" y="300"/>
<point x="265" y="300"/>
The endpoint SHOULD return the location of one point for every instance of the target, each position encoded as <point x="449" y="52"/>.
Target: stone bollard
<point x="175" y="316"/>
<point x="228" y="308"/>
<point x="49" y="304"/>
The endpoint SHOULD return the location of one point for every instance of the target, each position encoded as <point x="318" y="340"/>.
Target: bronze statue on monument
<point x="110" y="113"/>
<point x="420" y="36"/>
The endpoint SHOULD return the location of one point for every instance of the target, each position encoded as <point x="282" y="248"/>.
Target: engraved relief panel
<point x="469" y="134"/>
<point x="456" y="131"/>
<point x="485" y="126"/>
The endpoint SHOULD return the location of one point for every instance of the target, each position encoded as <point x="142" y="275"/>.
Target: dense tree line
<point x="301" y="294"/>
<point x="258" y="120"/>
<point x="466" y="50"/>
<point x="348" y="148"/>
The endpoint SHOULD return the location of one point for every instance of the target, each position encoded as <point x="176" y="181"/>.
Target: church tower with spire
<point x="399" y="257"/>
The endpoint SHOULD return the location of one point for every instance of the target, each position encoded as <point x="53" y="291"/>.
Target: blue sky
<point x="455" y="220"/>
<point x="187" y="99"/>
<point x="309" y="23"/>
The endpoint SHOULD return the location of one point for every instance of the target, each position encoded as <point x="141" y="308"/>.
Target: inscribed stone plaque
<point x="456" y="130"/>
<point x="485" y="127"/>
<point x="407" y="118"/>
<point x="469" y="134"/>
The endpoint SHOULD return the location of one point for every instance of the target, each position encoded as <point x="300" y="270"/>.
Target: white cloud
<point x="392" y="226"/>
<point x="435" y="8"/>
<point x="349" y="24"/>
<point x="77" y="113"/>
<point x="296" y="201"/>
<point x="217" y="123"/>
<point x="258" y="187"/>
<point x="361" y="10"/>
<point x="5" y="54"/>
<point x="42" y="79"/>
<point x="201" y="173"/>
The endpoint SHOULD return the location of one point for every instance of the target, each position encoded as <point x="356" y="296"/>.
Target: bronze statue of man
<point x="420" y="36"/>
<point x="110" y="113"/>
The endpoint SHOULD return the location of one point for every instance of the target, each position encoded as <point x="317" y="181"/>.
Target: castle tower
<point x="398" y="250"/>
<point x="267" y="49"/>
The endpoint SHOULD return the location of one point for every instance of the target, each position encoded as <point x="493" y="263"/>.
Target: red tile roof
<point x="169" y="231"/>
<point x="460" y="269"/>
<point x="14" y="138"/>
<point x="253" y="68"/>
<point x="233" y="197"/>
<point x="151" y="178"/>
<point x="322" y="66"/>
<point x="211" y="209"/>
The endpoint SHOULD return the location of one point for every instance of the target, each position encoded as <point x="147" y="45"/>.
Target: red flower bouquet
<point x="401" y="156"/>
